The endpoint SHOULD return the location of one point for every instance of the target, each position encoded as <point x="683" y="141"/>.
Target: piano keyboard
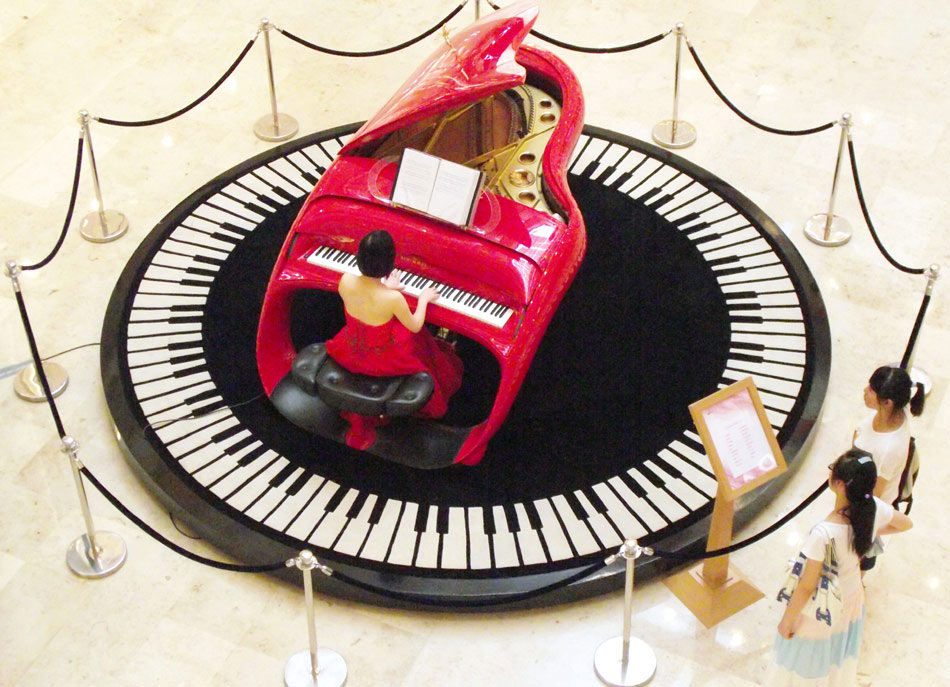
<point x="169" y="378"/>
<point x="450" y="298"/>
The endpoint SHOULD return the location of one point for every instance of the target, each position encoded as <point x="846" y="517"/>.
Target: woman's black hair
<point x="894" y="384"/>
<point x="857" y="470"/>
<point x="376" y="256"/>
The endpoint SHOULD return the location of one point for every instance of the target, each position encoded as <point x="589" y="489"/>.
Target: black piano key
<point x="633" y="484"/>
<point x="621" y="180"/>
<point x="606" y="172"/>
<point x="579" y="511"/>
<point x="202" y="271"/>
<point x="533" y="518"/>
<point x="227" y="433"/>
<point x="644" y="197"/>
<point x="309" y="177"/>
<point x="511" y="515"/>
<point x="185" y="319"/>
<point x="595" y="501"/>
<point x="184" y="345"/>
<point x="240" y="445"/>
<point x="377" y="510"/>
<point x="188" y="358"/>
<point x="181" y="307"/>
<point x="652" y="477"/>
<point x="226" y="238"/>
<point x="588" y="171"/>
<point x="488" y="518"/>
<point x="442" y="522"/>
<point x="286" y="195"/>
<point x="357" y="504"/>
<point x="190" y="371"/>
<point x="662" y="200"/>
<point x="422" y="518"/>
<point x="252" y="455"/>
<point x="281" y="476"/>
<point x="747" y="357"/>
<point x="335" y="500"/>
<point x="667" y="468"/>
<point x="755" y="319"/>
<point x="208" y="408"/>
<point x="298" y="483"/>
<point x="235" y="228"/>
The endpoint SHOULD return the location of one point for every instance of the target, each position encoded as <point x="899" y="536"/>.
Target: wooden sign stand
<point x="714" y="590"/>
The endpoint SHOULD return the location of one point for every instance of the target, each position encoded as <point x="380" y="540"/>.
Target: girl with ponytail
<point x="810" y="651"/>
<point x="885" y="433"/>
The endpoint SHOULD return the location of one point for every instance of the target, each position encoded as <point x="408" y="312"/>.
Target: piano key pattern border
<point x="260" y="506"/>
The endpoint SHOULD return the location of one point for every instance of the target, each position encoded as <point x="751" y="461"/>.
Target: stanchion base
<point x="27" y="384"/>
<point x="111" y="555"/>
<point x="685" y="134"/>
<point x="286" y="127"/>
<point x="92" y="230"/>
<point x="331" y="671"/>
<point x="610" y="668"/>
<point x="712" y="604"/>
<point x="838" y="234"/>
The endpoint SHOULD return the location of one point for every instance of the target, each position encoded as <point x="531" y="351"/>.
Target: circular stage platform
<point x="686" y="287"/>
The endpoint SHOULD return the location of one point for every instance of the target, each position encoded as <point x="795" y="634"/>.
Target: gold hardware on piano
<point x="503" y="135"/>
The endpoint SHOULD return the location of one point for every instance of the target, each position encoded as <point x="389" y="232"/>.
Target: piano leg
<point x="362" y="432"/>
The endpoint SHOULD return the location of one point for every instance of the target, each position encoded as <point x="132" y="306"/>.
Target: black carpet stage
<point x="685" y="288"/>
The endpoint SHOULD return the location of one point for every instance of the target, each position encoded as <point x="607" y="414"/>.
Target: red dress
<point x="391" y="349"/>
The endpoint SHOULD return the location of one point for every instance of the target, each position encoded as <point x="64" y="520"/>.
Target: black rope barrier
<point x="593" y="50"/>
<point x="186" y="108"/>
<point x="867" y="216"/>
<point x="145" y="527"/>
<point x="745" y="117"/>
<point x="915" y="332"/>
<point x="745" y="542"/>
<point x="69" y="211"/>
<point x="37" y="364"/>
<point x="373" y="53"/>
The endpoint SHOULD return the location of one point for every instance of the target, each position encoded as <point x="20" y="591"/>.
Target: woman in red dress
<point x="382" y="337"/>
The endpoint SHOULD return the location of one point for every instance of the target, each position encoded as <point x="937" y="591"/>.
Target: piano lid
<point x="479" y="62"/>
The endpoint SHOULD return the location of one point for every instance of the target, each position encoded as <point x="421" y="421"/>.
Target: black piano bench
<point x="319" y="375"/>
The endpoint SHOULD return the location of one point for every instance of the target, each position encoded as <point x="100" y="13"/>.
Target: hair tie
<point x="867" y="496"/>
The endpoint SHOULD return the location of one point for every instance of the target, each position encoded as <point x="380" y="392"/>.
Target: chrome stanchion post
<point x="825" y="228"/>
<point x="274" y="126"/>
<point x="675" y="133"/>
<point x="27" y="384"/>
<point x="93" y="554"/>
<point x="626" y="661"/>
<point x="102" y="225"/>
<point x="315" y="667"/>
<point x="918" y="375"/>
<point x="478" y="9"/>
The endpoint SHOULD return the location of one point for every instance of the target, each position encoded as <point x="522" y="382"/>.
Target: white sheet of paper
<point x="452" y="194"/>
<point x="739" y="439"/>
<point x="417" y="174"/>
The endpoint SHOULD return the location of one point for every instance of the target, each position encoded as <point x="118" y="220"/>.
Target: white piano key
<point x="404" y="543"/>
<point x="551" y="531"/>
<point x="685" y="493"/>
<point x="642" y="507"/>
<point x="577" y="530"/>
<point x="172" y="435"/>
<point x="587" y="150"/>
<point x="528" y="542"/>
<point x="161" y="387"/>
<point x="333" y="147"/>
<point x="790" y="372"/>
<point x="602" y="528"/>
<point x="317" y="154"/>
<point x="786" y="314"/>
<point x="290" y="506"/>
<point x="428" y="553"/>
<point x="236" y="479"/>
<point x="769" y="328"/>
<point x="307" y="519"/>
<point x="769" y="354"/>
<point x="454" y="555"/>
<point x="271" y="499"/>
<point x="156" y="409"/>
<point x="503" y="541"/>
<point x="609" y="158"/>
<point x="237" y="209"/>
<point x="145" y="300"/>
<point x="277" y="181"/>
<point x="191" y="236"/>
<point x="177" y="259"/>
<point x="198" y="463"/>
<point x="704" y="482"/>
<point x="210" y="218"/>
<point x="381" y="534"/>
<point x="753" y="274"/>
<point x="284" y="167"/>
<point x="355" y="531"/>
<point x="663" y="176"/>
<point x="334" y="521"/>
<point x="760" y="287"/>
<point x="479" y="548"/>
<point x="153" y="372"/>
<point x="658" y="497"/>
<point x="786" y="341"/>
<point x="702" y="205"/>
<point x="308" y="164"/>
<point x="158" y="341"/>
<point x="261" y="187"/>
<point x="619" y="514"/>
<point x="763" y="383"/>
<point x="640" y="175"/>
<point x="260" y="483"/>
<point x="692" y="194"/>
<point x="246" y="196"/>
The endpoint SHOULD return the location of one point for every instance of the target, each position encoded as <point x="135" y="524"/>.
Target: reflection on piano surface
<point x="488" y="102"/>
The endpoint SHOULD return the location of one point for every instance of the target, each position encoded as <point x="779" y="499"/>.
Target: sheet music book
<point x="436" y="187"/>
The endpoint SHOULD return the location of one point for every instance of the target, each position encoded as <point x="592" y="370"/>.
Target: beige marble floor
<point x="165" y="620"/>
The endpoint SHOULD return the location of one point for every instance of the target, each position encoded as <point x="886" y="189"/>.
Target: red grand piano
<point x="486" y="101"/>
